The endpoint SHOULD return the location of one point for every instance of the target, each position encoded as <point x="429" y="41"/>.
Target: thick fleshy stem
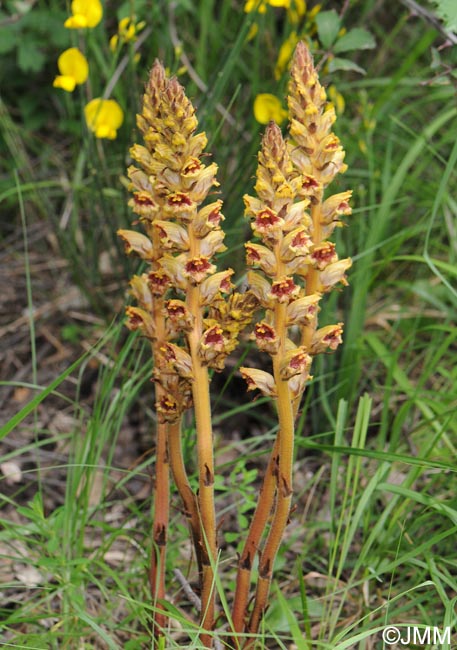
<point x="184" y="488"/>
<point x="252" y="545"/>
<point x="284" y="461"/>
<point x="202" y="408"/>
<point x="298" y="266"/>
<point x="159" y="530"/>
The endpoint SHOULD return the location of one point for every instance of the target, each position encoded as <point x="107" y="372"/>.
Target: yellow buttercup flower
<point x="85" y="13"/>
<point x="73" y="68"/>
<point x="104" y="117"/>
<point x="267" y="107"/>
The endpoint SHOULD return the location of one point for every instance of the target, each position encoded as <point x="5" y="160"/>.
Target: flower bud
<point x="296" y="362"/>
<point x="137" y="243"/>
<point x="258" y="255"/>
<point x="141" y="292"/>
<point x="296" y="243"/>
<point x="260" y="287"/>
<point x="334" y="273"/>
<point x="296" y="216"/>
<point x="177" y="359"/>
<point x="139" y="319"/>
<point x="259" y="379"/>
<point x="302" y="310"/>
<point x="142" y="156"/>
<point x="212" y="286"/>
<point x="266" y="338"/>
<point x="197" y="144"/>
<point x="172" y="235"/>
<point x="297" y="385"/>
<point x="207" y="218"/>
<point x="199" y="182"/>
<point x="212" y="243"/>
<point x="173" y="268"/>
<point x="326" y="338"/>
<point x="139" y="180"/>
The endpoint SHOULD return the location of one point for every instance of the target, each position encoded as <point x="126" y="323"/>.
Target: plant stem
<point x="252" y="544"/>
<point x="186" y="493"/>
<point x="160" y="528"/>
<point x="162" y="479"/>
<point x="202" y="407"/>
<point x="283" y="498"/>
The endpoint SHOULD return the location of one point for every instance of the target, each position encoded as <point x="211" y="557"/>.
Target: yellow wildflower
<point x="73" y="68"/>
<point x="126" y="33"/>
<point x="85" y="13"/>
<point x="261" y="5"/>
<point x="296" y="11"/>
<point x="312" y="13"/>
<point x="267" y="107"/>
<point x="104" y="117"/>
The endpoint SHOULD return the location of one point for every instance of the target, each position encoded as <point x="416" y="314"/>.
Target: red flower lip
<point x="284" y="289"/>
<point x="213" y="337"/>
<point x="158" y="282"/>
<point x="141" y="199"/>
<point x="266" y="219"/>
<point x="179" y="198"/>
<point x="197" y="268"/>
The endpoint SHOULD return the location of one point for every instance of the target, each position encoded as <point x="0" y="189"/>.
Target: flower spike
<point x="296" y="264"/>
<point x="187" y="309"/>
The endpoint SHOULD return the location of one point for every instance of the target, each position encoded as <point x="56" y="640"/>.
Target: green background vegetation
<point x="372" y="539"/>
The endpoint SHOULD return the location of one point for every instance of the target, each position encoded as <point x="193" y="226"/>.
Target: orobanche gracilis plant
<point x="192" y="316"/>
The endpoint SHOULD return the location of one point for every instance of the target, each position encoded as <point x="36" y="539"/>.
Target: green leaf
<point x="447" y="11"/>
<point x="328" y="25"/>
<point x="45" y="27"/>
<point x="355" y="39"/>
<point x="8" y="40"/>
<point x="344" y="64"/>
<point x="29" y="57"/>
